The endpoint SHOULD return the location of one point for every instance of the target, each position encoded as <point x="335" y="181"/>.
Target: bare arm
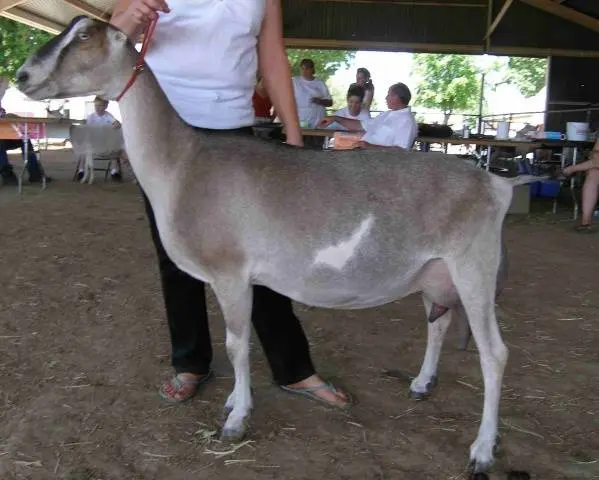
<point x="367" y="102"/>
<point x="131" y="16"/>
<point x="275" y="71"/>
<point x="349" y="123"/>
<point x="595" y="155"/>
<point x="325" y="102"/>
<point x="593" y="162"/>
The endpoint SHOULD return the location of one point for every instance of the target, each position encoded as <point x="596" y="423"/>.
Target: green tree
<point x="450" y="83"/>
<point x="326" y="62"/>
<point x="339" y="96"/>
<point x="17" y="42"/>
<point x="528" y="74"/>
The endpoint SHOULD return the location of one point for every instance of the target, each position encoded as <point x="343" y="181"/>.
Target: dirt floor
<point x="84" y="346"/>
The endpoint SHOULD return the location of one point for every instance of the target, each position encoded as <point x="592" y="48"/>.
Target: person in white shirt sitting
<point x="98" y="118"/>
<point x="311" y="96"/>
<point x="395" y="128"/>
<point x="354" y="109"/>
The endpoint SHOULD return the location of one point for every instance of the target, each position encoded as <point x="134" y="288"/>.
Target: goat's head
<point x="89" y="57"/>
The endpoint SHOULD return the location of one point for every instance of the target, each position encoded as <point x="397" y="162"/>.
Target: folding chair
<point x="96" y="143"/>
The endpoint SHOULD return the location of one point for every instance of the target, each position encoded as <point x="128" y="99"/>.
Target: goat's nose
<point x="22" y="76"/>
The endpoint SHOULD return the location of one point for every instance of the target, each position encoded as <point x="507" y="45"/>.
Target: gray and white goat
<point x="347" y="229"/>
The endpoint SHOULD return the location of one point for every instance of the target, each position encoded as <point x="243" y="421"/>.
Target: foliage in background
<point x="528" y="74"/>
<point x="326" y="62"/>
<point x="449" y="83"/>
<point x="17" y="42"/>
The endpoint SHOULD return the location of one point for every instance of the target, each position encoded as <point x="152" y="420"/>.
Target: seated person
<point x="354" y="110"/>
<point x="6" y="169"/>
<point x="101" y="117"/>
<point x="396" y="127"/>
<point x="311" y="96"/>
<point x="590" y="188"/>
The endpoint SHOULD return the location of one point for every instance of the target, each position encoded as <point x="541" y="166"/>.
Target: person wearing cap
<point x="396" y="127"/>
<point x="311" y="95"/>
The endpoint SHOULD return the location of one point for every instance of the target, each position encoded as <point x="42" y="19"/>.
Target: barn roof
<point x="507" y="27"/>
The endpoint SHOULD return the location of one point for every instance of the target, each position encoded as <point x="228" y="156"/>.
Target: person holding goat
<point x="211" y="88"/>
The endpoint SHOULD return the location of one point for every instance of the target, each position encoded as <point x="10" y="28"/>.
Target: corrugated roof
<point x="541" y="27"/>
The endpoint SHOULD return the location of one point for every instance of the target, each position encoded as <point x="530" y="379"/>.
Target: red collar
<point x="139" y="65"/>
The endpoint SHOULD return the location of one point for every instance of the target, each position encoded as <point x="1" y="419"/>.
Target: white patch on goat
<point x="337" y="256"/>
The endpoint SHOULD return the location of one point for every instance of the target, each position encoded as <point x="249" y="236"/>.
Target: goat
<point x="346" y="229"/>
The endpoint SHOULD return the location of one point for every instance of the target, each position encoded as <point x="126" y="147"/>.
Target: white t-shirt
<point x="394" y="128"/>
<point x="104" y="119"/>
<point x="310" y="113"/>
<point x="203" y="54"/>
<point x="344" y="112"/>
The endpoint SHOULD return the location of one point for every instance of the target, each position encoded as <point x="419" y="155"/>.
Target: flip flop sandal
<point x="311" y="394"/>
<point x="177" y="384"/>
<point x="585" y="229"/>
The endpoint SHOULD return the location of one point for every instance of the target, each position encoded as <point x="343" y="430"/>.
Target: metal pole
<point x="480" y="104"/>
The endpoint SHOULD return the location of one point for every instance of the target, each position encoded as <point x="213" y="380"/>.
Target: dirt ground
<point x="84" y="346"/>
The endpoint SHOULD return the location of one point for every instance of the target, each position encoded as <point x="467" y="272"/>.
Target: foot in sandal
<point x="183" y="386"/>
<point x="315" y="388"/>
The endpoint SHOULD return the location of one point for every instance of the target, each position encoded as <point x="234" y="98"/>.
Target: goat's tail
<point x="524" y="179"/>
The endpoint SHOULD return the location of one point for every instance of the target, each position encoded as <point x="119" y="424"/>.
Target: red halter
<point x="139" y="65"/>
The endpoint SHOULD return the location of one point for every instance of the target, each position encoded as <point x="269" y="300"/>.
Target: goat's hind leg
<point x="235" y="299"/>
<point x="474" y="277"/>
<point x="423" y="384"/>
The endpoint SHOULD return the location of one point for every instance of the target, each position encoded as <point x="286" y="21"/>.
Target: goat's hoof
<point x="516" y="475"/>
<point x="233" y="435"/>
<point x="478" y="476"/>
<point x="430" y="386"/>
<point x="477" y="470"/>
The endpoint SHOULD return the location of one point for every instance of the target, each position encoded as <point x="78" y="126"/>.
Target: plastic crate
<point x="549" y="188"/>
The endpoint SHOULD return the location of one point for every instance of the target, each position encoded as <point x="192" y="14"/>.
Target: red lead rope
<point x="139" y="65"/>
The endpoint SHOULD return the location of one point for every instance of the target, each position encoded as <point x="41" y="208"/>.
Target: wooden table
<point x="13" y="127"/>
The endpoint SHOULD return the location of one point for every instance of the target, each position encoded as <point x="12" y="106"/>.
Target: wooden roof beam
<point x="499" y="17"/>
<point x="409" y="3"/>
<point x="33" y="20"/>
<point x="88" y="9"/>
<point x="6" y="4"/>
<point x="557" y="9"/>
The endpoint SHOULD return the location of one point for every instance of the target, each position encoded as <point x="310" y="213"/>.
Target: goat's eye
<point x="83" y="36"/>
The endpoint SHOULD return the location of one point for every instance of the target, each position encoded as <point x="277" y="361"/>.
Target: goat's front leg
<point x="90" y="166"/>
<point x="236" y="303"/>
<point x="87" y="171"/>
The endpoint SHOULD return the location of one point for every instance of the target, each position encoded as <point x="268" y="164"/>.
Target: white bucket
<point x="503" y="130"/>
<point x="577" y="131"/>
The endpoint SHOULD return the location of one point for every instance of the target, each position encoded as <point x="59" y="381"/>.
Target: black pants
<point x="278" y="329"/>
<point x="33" y="167"/>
